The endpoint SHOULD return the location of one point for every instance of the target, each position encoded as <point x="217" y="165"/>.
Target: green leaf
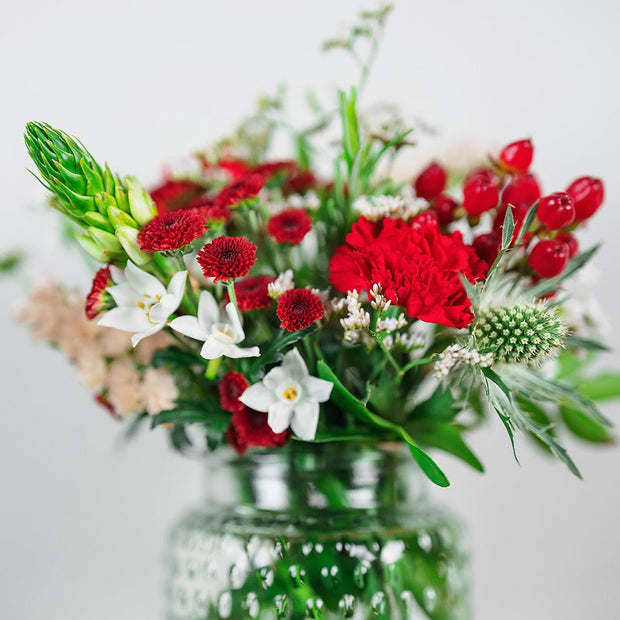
<point x="573" y="342"/>
<point x="508" y="229"/>
<point x="584" y="427"/>
<point x="445" y="437"/>
<point x="179" y="415"/>
<point x="471" y="290"/>
<point x="273" y="352"/>
<point x="527" y="222"/>
<point x="349" y="404"/>
<point x="174" y="356"/>
<point x="605" y="386"/>
<point x="134" y="426"/>
<point x="438" y="407"/>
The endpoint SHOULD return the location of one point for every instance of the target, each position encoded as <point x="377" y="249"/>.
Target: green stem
<point x="212" y="368"/>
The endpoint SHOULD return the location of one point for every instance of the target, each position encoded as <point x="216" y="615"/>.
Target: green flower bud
<point x="92" y="218"/>
<point x="519" y="334"/>
<point x="106" y="241"/>
<point x="120" y="218"/>
<point x="128" y="238"/>
<point x="92" y="248"/>
<point x="141" y="205"/>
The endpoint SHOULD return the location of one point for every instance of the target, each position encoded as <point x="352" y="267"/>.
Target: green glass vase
<point x="316" y="531"/>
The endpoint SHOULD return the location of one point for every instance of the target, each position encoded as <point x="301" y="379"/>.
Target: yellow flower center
<point x="290" y="393"/>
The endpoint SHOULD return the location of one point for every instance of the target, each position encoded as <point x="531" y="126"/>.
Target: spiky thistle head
<point x="521" y="333"/>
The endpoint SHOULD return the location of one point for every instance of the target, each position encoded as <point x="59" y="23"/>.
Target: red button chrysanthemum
<point x="290" y="226"/>
<point x="226" y="258"/>
<point x="298" y="309"/>
<point x="97" y="299"/>
<point x="252" y="293"/>
<point x="235" y="193"/>
<point x="208" y="210"/>
<point x="171" y="232"/>
<point x="249" y="428"/>
<point x="173" y="195"/>
<point x="232" y="385"/>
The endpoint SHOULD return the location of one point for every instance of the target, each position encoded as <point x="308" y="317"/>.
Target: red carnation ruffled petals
<point x="290" y="226"/>
<point x="417" y="267"/>
<point x="270" y="168"/>
<point x="226" y="258"/>
<point x="173" y="195"/>
<point x="252" y="293"/>
<point x="172" y="231"/>
<point x="232" y="385"/>
<point x="249" y="428"/>
<point x="299" y="308"/>
<point x="96" y="300"/>
<point x="245" y="189"/>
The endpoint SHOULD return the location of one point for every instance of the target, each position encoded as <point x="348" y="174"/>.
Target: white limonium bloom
<point x="144" y="304"/>
<point x="220" y="334"/>
<point x="290" y="397"/>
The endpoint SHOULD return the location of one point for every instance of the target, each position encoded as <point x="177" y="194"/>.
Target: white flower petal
<point x="117" y="274"/>
<point x="160" y="312"/>
<point x="208" y="311"/>
<point x="279" y="416"/>
<point x="176" y="287"/>
<point x="318" y="389"/>
<point x="188" y="326"/>
<point x="257" y="397"/>
<point x="295" y="366"/>
<point x="235" y="352"/>
<point x="305" y="419"/>
<point x="153" y="329"/>
<point x="123" y="294"/>
<point x="275" y="377"/>
<point x="143" y="282"/>
<point x="125" y="319"/>
<point x="212" y="349"/>
<point x="235" y="321"/>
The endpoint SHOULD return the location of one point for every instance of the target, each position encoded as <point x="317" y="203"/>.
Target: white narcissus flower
<point x="290" y="397"/>
<point x="144" y="304"/>
<point x="220" y="335"/>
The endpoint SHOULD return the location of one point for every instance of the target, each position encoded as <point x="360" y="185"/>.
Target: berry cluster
<point x="509" y="182"/>
<point x="519" y="334"/>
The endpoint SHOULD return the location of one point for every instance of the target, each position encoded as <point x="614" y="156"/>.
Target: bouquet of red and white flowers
<point x="262" y="304"/>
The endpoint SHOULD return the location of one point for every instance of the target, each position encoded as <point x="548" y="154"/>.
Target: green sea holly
<point x="519" y="334"/>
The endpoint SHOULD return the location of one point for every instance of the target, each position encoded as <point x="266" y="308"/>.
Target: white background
<point x="143" y="82"/>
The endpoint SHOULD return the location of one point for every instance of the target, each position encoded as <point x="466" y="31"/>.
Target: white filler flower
<point x="143" y="303"/>
<point x="290" y="396"/>
<point x="220" y="335"/>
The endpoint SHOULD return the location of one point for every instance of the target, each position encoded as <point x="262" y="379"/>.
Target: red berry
<point x="588" y="194"/>
<point x="481" y="172"/>
<point x="426" y="218"/>
<point x="556" y="210"/>
<point x="549" y="258"/>
<point x="479" y="194"/>
<point x="430" y="182"/>
<point x="487" y="247"/>
<point x="522" y="191"/>
<point x="571" y="242"/>
<point x="517" y="156"/>
<point x="444" y="206"/>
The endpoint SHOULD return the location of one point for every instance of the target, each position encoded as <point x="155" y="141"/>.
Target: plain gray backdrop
<point x="144" y="82"/>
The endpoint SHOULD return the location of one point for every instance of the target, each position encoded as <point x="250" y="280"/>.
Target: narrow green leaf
<point x="604" y="386"/>
<point x="350" y="404"/>
<point x="445" y="437"/>
<point x="527" y="222"/>
<point x="573" y="342"/>
<point x="584" y="427"/>
<point x="471" y="290"/>
<point x="508" y="228"/>
<point x="179" y="415"/>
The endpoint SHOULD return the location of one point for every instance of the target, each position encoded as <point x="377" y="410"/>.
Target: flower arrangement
<point x="262" y="303"/>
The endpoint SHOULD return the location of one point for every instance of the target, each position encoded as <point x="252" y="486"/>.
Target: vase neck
<point x="315" y="477"/>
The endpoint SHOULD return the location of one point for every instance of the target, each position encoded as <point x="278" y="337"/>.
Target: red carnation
<point x="226" y="258"/>
<point x="234" y="194"/>
<point x="270" y="168"/>
<point x="98" y="299"/>
<point x="171" y="232"/>
<point x="298" y="308"/>
<point x="235" y="168"/>
<point x="417" y="267"/>
<point x="173" y="195"/>
<point x="290" y="226"/>
<point x="252" y="293"/>
<point x="249" y="428"/>
<point x="232" y="385"/>
<point x="301" y="182"/>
